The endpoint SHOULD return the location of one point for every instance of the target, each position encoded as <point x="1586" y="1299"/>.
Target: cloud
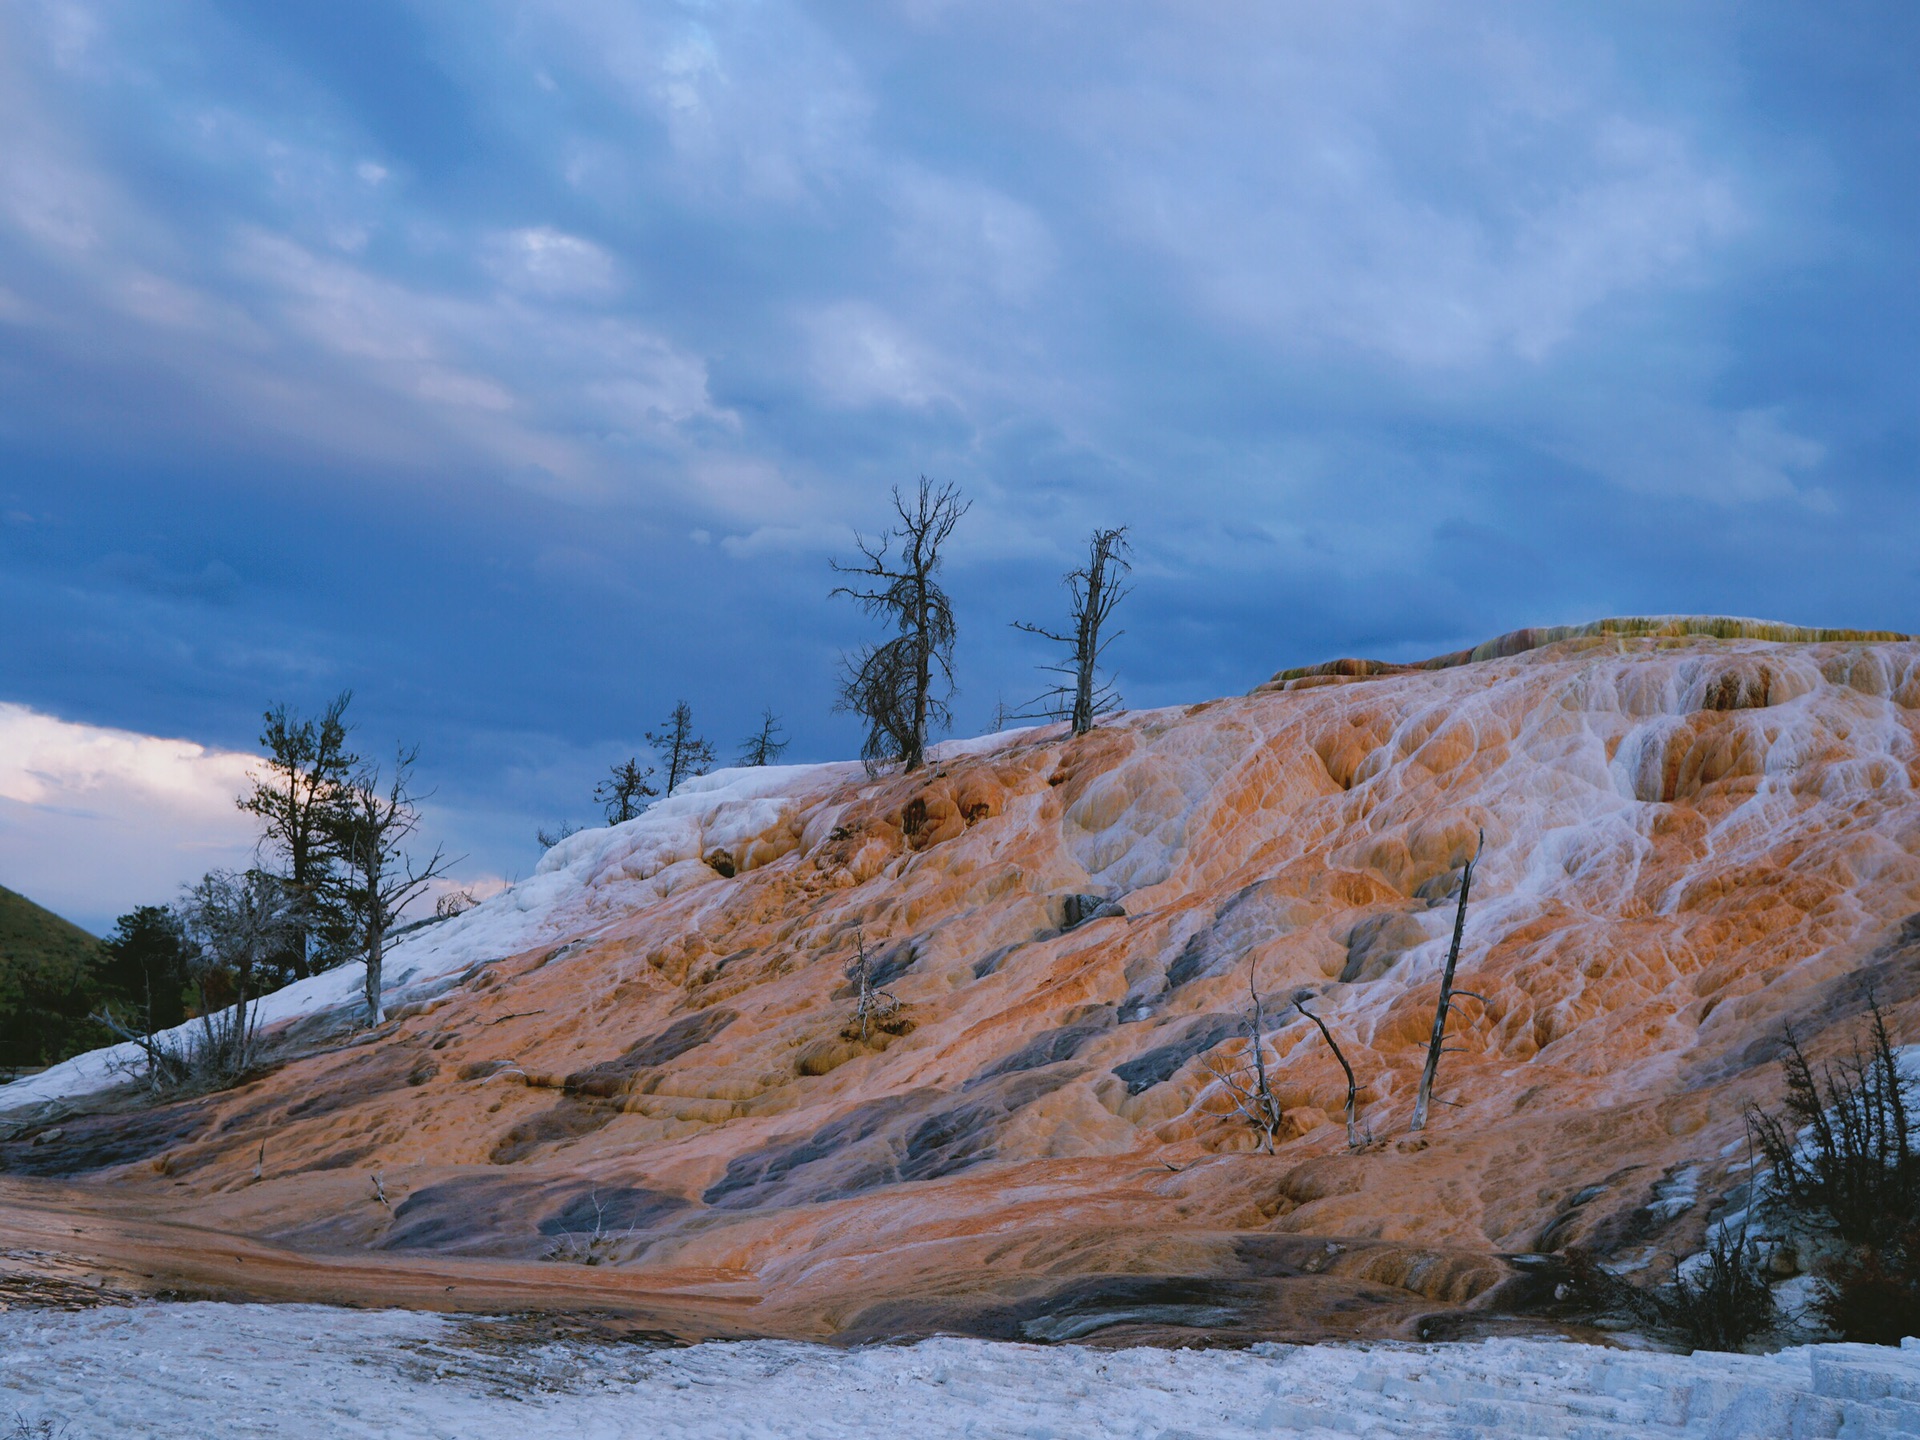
<point x="811" y="537"/>
<point x="964" y="237"/>
<point x="95" y="821"/>
<point x="547" y="261"/>
<point x="406" y="350"/>
<point x="759" y="105"/>
<point x="1401" y="192"/>
<point x="858" y="356"/>
<point x="1677" y="450"/>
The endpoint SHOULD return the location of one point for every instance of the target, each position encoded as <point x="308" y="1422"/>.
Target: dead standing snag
<point x="1438" y="1042"/>
<point x="373" y="832"/>
<point x="1096" y="588"/>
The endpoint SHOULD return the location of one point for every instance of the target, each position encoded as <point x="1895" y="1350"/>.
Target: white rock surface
<point x="589" y="878"/>
<point x="220" y="1371"/>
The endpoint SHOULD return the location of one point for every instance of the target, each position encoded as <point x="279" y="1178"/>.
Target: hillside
<point x="1697" y="833"/>
<point x="46" y="964"/>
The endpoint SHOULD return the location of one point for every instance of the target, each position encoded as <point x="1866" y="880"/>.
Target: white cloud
<point x="803" y="538"/>
<point x="968" y="237"/>
<point x="95" y="821"/>
<point x="546" y="261"/>
<point x="758" y="102"/>
<point x="1673" y="449"/>
<point x="1432" y="195"/>
<point x="858" y="356"/>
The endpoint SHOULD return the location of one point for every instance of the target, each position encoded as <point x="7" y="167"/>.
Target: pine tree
<point x="299" y="800"/>
<point x="625" y="791"/>
<point x="686" y="754"/>
<point x="891" y="685"/>
<point x="767" y="744"/>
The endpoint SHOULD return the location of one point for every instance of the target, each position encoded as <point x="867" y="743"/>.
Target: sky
<point x="520" y="365"/>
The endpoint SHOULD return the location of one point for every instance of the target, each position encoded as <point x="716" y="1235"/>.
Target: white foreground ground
<point x="306" y="1371"/>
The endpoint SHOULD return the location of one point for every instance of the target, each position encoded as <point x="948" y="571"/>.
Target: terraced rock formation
<point x="1697" y="833"/>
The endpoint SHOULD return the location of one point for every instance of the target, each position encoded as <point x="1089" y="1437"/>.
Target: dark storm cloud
<point x="520" y="364"/>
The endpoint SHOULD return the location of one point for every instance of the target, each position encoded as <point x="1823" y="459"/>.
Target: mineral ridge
<point x="636" y="1083"/>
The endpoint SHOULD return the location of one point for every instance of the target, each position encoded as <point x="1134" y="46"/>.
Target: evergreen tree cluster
<point x="330" y="878"/>
<point x="681" y="753"/>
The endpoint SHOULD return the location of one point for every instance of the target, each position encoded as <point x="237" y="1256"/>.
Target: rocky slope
<point x="1697" y="833"/>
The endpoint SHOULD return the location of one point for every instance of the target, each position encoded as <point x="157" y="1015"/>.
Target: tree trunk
<point x="1438" y="1039"/>
<point x="300" y="862"/>
<point x="376" y="935"/>
<point x="1089" y="649"/>
<point x="922" y="678"/>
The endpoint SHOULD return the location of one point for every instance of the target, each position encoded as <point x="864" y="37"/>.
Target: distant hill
<point x="47" y="983"/>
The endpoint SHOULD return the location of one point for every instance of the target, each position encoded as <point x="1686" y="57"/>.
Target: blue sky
<point x="520" y="365"/>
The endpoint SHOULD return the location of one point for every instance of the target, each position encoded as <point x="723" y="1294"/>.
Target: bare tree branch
<point x="1354" y="1142"/>
<point x="765" y="745"/>
<point x="1252" y="1095"/>
<point x="873" y="1004"/>
<point x="385" y="879"/>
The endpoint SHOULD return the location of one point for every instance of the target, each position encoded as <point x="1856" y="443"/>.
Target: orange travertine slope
<point x="1697" y="833"/>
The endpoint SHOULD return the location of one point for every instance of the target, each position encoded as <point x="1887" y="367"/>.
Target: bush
<point x="1872" y="1294"/>
<point x="1842" y="1155"/>
<point x="1844" y="1170"/>
<point x="1725" y="1301"/>
<point x="1721" y="1304"/>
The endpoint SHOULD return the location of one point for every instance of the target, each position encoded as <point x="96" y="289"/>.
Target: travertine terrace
<point x="1697" y="833"/>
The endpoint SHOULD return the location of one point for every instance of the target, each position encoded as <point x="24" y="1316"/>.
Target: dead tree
<point x="454" y="903"/>
<point x="297" y="801"/>
<point x="1096" y="587"/>
<point x="873" y="1005"/>
<point x="1252" y="1095"/>
<point x="765" y="745"/>
<point x="235" y="924"/>
<point x="625" y="791"/>
<point x="1438" y="1043"/>
<point x="891" y="685"/>
<point x="1354" y="1140"/>
<point x="686" y="754"/>
<point x="379" y="821"/>
<point x="546" y="839"/>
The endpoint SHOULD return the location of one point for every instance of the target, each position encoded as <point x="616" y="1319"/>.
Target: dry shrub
<point x="1845" y="1172"/>
<point x="1721" y="1304"/>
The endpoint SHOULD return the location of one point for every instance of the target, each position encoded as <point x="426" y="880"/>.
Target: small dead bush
<point x="874" y="1008"/>
<point x="598" y="1246"/>
<point x="1720" y="1303"/>
<point x="1723" y="1301"/>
